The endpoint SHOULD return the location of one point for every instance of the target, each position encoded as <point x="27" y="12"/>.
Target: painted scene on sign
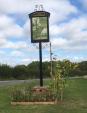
<point x="39" y="28"/>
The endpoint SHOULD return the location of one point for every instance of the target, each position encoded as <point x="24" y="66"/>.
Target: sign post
<point x="40" y="57"/>
<point x="40" y="33"/>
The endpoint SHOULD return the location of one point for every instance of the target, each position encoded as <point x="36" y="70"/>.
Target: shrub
<point x="27" y="94"/>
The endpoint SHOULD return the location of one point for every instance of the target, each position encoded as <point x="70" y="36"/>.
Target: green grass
<point x="75" y="100"/>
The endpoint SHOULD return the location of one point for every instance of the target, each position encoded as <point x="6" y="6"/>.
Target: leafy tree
<point x="5" y="71"/>
<point x="82" y="68"/>
<point x="20" y="72"/>
<point x="61" y="71"/>
<point x="33" y="69"/>
<point x="46" y="69"/>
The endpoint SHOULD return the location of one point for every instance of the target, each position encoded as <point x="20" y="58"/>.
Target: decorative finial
<point x="39" y="7"/>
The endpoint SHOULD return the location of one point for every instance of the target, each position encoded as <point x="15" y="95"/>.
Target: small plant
<point x="17" y="95"/>
<point x="61" y="71"/>
<point x="21" y="94"/>
<point x="27" y="94"/>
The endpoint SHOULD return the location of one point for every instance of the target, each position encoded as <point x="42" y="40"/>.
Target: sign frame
<point x="39" y="14"/>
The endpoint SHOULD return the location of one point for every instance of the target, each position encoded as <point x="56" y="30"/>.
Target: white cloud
<point x="2" y="53"/>
<point x="26" y="28"/>
<point x="73" y="26"/>
<point x="78" y="58"/>
<point x="54" y="30"/>
<point x="14" y="31"/>
<point x="59" y="42"/>
<point x="26" y="61"/>
<point x="17" y="54"/>
<point x="71" y="35"/>
<point x="5" y="21"/>
<point x="8" y="28"/>
<point x="22" y="6"/>
<point x="60" y="10"/>
<point x="46" y="59"/>
<point x="2" y="41"/>
<point x="14" y="45"/>
<point x="14" y="6"/>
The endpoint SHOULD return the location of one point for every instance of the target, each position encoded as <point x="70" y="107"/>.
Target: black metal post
<point x="51" y="69"/>
<point x="40" y="56"/>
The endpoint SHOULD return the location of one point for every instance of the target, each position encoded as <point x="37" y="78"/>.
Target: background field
<point x="75" y="100"/>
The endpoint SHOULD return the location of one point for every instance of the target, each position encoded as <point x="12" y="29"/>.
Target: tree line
<point x="32" y="70"/>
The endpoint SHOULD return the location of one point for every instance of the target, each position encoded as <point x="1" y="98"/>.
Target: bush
<point x="28" y="95"/>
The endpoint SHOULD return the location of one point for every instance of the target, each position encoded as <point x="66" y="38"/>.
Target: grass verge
<point x="75" y="100"/>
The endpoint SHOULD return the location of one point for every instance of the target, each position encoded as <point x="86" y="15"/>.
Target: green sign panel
<point x="39" y="26"/>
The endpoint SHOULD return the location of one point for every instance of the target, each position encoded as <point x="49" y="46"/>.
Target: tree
<point x="5" y="71"/>
<point x="61" y="71"/>
<point x="33" y="69"/>
<point x="82" y="68"/>
<point x="20" y="72"/>
<point x="46" y="69"/>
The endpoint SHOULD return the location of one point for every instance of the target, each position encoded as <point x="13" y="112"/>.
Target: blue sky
<point x="68" y="31"/>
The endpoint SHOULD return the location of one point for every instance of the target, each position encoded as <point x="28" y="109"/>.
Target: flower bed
<point x="36" y="95"/>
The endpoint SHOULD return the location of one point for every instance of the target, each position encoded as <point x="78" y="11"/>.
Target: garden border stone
<point x="32" y="103"/>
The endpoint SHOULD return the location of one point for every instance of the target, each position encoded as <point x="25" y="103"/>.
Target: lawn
<point x="75" y="100"/>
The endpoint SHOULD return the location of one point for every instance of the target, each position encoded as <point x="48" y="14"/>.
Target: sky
<point x="67" y="24"/>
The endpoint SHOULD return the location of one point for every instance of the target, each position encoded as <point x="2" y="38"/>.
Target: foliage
<point x="82" y="68"/>
<point x="21" y="94"/>
<point x="20" y="72"/>
<point x="62" y="71"/>
<point x="32" y="70"/>
<point x="5" y="71"/>
<point x="27" y="94"/>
